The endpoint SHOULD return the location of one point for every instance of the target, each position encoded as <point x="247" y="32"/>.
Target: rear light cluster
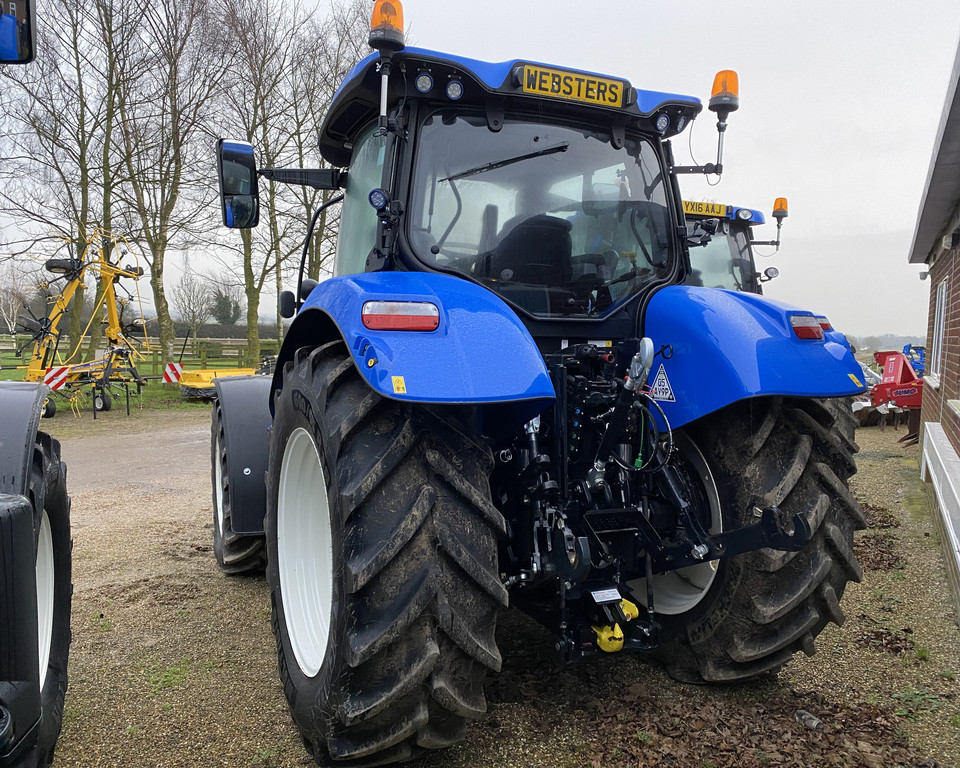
<point x="807" y="326"/>
<point x="400" y="316"/>
<point x="824" y="323"/>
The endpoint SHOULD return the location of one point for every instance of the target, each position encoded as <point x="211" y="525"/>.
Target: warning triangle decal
<point x="661" y="389"/>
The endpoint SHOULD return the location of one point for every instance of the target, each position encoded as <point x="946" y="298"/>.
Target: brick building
<point x="936" y="243"/>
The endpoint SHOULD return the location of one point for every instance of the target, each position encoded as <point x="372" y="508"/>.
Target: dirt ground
<point x="174" y="664"/>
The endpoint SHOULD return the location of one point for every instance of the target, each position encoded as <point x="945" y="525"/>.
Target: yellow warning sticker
<point x="855" y="380"/>
<point x="399" y="386"/>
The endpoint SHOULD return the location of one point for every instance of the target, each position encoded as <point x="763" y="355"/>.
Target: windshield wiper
<point x="509" y="161"/>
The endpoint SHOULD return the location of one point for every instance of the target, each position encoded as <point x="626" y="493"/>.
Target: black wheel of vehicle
<point x="48" y="493"/>
<point x="63" y="266"/>
<point x="236" y="553"/>
<point x="102" y="400"/>
<point x="49" y="408"/>
<point x="382" y="565"/>
<point x="760" y="608"/>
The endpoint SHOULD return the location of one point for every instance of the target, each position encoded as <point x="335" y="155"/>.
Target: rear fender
<point x="480" y="354"/>
<point x="718" y="347"/>
<point x="245" y="416"/>
<point x="21" y="404"/>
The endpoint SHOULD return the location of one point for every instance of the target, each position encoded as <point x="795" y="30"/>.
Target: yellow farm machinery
<point x="111" y="368"/>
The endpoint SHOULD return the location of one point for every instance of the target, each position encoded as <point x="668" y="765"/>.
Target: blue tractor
<point x="722" y="245"/>
<point x="507" y="395"/>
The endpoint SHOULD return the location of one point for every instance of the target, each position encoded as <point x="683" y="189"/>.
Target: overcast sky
<point x="839" y="106"/>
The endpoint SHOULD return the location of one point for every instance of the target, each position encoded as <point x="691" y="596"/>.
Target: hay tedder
<point x="114" y="366"/>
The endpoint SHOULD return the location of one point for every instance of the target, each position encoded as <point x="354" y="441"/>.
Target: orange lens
<point x="387" y="14"/>
<point x="780" y="204"/>
<point x="726" y="83"/>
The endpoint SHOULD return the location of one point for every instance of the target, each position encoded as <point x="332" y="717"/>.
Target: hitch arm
<point x="773" y="530"/>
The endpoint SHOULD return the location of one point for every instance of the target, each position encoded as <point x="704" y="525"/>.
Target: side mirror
<point x="239" y="190"/>
<point x="17" y="32"/>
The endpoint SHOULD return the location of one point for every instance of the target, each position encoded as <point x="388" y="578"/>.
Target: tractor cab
<point x="722" y="245"/>
<point x="554" y="188"/>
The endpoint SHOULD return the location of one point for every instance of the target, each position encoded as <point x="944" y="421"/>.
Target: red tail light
<point x="400" y="316"/>
<point x="824" y="323"/>
<point x="806" y="327"/>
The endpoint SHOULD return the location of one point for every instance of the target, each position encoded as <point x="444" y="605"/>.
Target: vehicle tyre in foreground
<point x="236" y="553"/>
<point x="382" y="565"/>
<point x="762" y="607"/>
<point x="48" y="494"/>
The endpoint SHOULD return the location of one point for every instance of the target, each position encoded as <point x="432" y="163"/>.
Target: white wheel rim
<point x="45" y="583"/>
<point x="218" y="485"/>
<point x="679" y="591"/>
<point x="305" y="551"/>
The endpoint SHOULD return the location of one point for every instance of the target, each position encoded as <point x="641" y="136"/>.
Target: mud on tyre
<point x="382" y="565"/>
<point x="764" y="606"/>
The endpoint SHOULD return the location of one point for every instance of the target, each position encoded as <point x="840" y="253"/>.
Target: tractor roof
<point x="494" y="84"/>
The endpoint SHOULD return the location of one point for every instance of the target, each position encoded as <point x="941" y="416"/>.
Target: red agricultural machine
<point x="899" y="390"/>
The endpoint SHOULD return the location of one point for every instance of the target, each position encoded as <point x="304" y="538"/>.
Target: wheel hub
<point x="305" y="551"/>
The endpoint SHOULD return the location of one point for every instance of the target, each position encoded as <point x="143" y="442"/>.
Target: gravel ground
<point x="174" y="664"/>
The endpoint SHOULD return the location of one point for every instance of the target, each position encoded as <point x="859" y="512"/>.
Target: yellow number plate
<point x="573" y="86"/>
<point x="704" y="209"/>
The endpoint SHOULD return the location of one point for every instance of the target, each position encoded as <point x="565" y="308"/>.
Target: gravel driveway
<point x="174" y="664"/>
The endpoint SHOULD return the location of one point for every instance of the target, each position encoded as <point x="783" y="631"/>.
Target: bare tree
<point x="163" y="106"/>
<point x="191" y="298"/>
<point x="13" y="293"/>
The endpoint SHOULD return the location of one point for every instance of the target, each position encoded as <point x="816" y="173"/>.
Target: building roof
<point x="942" y="192"/>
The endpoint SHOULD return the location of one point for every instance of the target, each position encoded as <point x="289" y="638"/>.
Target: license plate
<point x="704" y="209"/>
<point x="572" y="86"/>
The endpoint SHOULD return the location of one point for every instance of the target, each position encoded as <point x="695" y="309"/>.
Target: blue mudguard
<point x="480" y="354"/>
<point x="725" y="346"/>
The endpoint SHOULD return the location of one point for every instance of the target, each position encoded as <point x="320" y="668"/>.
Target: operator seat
<point x="536" y="251"/>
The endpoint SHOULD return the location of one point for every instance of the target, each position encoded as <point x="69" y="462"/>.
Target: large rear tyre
<point x="236" y="553"/>
<point x="762" y="607"/>
<point x="48" y="494"/>
<point x="382" y="565"/>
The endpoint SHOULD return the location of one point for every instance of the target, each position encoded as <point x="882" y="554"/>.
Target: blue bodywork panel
<point x="728" y="346"/>
<point x="494" y="75"/>
<point x="480" y="353"/>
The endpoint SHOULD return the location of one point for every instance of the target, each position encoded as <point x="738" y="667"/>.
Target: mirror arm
<point x="704" y="169"/>
<point x="318" y="178"/>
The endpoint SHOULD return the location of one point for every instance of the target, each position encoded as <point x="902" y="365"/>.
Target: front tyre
<point x="382" y="565"/>
<point x="764" y="606"/>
